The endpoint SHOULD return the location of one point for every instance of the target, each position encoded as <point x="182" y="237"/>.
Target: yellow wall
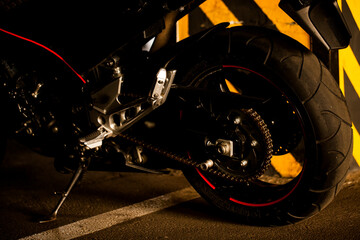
<point x="283" y="22"/>
<point x="218" y="12"/>
<point x="349" y="64"/>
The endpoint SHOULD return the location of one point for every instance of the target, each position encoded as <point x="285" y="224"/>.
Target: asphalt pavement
<point x="111" y="205"/>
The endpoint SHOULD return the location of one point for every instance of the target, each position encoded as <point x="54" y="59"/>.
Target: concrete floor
<point x="27" y="181"/>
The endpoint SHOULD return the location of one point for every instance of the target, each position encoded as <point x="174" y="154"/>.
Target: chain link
<point x="193" y="163"/>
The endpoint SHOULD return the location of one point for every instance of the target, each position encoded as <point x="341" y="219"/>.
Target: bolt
<point x="237" y="120"/>
<point x="110" y="63"/>
<point x="206" y="165"/>
<point x="244" y="163"/>
<point x="29" y="131"/>
<point x="222" y="149"/>
<point x="254" y="143"/>
<point x="55" y="129"/>
<point x="209" y="143"/>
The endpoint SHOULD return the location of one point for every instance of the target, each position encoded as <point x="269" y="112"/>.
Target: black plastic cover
<point x="322" y="19"/>
<point x="328" y="20"/>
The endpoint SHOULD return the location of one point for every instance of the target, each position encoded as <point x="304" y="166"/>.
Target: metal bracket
<point x="164" y="80"/>
<point x="106" y="99"/>
<point x="115" y="117"/>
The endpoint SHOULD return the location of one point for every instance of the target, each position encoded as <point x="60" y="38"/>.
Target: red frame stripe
<point x="46" y="48"/>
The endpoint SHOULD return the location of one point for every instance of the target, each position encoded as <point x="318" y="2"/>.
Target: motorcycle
<point x="103" y="86"/>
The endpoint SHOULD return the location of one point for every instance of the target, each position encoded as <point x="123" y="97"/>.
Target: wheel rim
<point x="273" y="186"/>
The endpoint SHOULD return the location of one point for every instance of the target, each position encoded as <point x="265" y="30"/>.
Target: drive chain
<point x="216" y="172"/>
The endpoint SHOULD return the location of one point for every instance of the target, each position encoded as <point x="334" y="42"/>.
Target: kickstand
<point x="64" y="195"/>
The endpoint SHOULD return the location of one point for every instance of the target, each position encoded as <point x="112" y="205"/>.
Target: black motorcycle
<point x="104" y="86"/>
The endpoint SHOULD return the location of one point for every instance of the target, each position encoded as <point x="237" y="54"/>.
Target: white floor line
<point x="109" y="219"/>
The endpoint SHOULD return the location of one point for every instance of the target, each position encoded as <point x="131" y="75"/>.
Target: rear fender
<point x="178" y="54"/>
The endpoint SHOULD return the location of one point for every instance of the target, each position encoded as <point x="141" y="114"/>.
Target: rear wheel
<point x="302" y="119"/>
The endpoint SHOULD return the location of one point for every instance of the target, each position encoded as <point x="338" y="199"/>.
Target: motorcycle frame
<point x="304" y="13"/>
<point x="308" y="14"/>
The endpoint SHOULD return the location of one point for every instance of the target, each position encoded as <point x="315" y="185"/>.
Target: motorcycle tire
<point x="305" y="113"/>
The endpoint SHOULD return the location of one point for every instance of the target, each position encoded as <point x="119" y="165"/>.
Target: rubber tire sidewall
<point x="324" y="106"/>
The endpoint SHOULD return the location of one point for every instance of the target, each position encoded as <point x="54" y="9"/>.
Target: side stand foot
<point x="74" y="179"/>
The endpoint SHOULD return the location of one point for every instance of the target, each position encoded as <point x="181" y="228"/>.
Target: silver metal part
<point x="208" y="143"/>
<point x="206" y="165"/>
<point x="254" y="143"/>
<point x="95" y="139"/>
<point x="64" y="195"/>
<point x="160" y="83"/>
<point x="120" y="117"/>
<point x="36" y="92"/>
<point x="237" y="120"/>
<point x="164" y="80"/>
<point x="148" y="45"/>
<point x="244" y="163"/>
<point x="225" y="147"/>
<point x="140" y="158"/>
<point x="106" y="99"/>
<point x="115" y="117"/>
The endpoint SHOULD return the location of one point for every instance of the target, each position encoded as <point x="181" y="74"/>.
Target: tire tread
<point x="326" y="107"/>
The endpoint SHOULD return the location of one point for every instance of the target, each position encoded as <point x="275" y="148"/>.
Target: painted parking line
<point x="117" y="216"/>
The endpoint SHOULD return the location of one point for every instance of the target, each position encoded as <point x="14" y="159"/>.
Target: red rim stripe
<point x="205" y="179"/>
<point x="46" y="48"/>
<point x="269" y="203"/>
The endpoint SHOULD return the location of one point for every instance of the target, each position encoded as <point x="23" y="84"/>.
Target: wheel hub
<point x="244" y="150"/>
